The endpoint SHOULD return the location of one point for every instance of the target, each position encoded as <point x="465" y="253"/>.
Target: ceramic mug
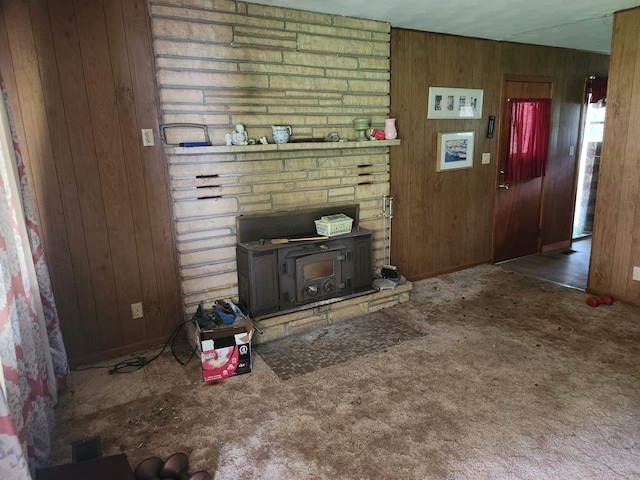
<point x="281" y="133"/>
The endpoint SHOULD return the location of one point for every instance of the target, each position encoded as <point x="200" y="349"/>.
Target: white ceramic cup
<point x="281" y="133"/>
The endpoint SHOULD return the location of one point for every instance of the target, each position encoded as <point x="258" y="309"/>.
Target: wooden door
<point x="518" y="209"/>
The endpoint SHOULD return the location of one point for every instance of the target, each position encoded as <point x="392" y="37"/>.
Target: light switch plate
<point x="486" y="158"/>
<point x="636" y="273"/>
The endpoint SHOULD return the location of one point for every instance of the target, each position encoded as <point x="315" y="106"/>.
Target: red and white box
<point x="225" y="350"/>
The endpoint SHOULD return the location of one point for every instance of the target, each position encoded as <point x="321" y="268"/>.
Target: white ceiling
<point x="578" y="24"/>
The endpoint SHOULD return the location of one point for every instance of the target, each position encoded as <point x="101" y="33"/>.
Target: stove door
<point x="319" y="275"/>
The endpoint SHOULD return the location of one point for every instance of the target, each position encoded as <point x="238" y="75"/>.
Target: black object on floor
<point x="105" y="468"/>
<point x="86" y="449"/>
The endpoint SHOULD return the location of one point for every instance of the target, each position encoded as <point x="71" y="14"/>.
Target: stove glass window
<point x="318" y="270"/>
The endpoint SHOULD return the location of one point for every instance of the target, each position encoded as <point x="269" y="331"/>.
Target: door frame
<point x="579" y="150"/>
<point x="501" y="149"/>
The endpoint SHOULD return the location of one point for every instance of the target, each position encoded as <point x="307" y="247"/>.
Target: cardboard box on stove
<point x="225" y="350"/>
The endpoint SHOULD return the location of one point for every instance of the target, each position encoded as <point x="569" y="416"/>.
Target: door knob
<point x="504" y="185"/>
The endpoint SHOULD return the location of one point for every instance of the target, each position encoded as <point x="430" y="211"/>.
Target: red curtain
<point x="528" y="138"/>
<point x="598" y="87"/>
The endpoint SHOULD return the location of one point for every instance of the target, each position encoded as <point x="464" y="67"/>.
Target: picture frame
<point x="455" y="150"/>
<point x="459" y="103"/>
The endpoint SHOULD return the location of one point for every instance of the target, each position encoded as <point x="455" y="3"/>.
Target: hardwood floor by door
<point x="568" y="266"/>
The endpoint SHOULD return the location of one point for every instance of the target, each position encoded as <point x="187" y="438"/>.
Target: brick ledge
<point x="284" y="325"/>
<point x="282" y="147"/>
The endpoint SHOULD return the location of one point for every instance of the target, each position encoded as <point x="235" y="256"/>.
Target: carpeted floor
<point x="502" y="376"/>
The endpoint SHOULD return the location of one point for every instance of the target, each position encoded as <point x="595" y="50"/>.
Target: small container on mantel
<point x="376" y="134"/>
<point x="361" y="125"/>
<point x="390" y="132"/>
<point x="281" y="133"/>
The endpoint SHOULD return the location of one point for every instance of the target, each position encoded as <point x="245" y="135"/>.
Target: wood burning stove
<point x="284" y="277"/>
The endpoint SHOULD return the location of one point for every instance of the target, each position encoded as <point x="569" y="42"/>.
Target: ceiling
<point x="577" y="24"/>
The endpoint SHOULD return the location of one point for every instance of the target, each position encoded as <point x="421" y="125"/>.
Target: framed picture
<point x="454" y="103"/>
<point x="455" y="151"/>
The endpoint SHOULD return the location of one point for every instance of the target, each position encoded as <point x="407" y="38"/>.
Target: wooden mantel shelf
<point x="282" y="147"/>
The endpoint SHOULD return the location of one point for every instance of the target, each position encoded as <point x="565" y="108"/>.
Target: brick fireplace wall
<point x="220" y="63"/>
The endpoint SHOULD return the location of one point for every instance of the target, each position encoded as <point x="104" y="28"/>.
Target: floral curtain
<point x="528" y="139"/>
<point x="32" y="352"/>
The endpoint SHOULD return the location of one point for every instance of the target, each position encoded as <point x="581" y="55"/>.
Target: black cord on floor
<point x="136" y="362"/>
<point x="173" y="351"/>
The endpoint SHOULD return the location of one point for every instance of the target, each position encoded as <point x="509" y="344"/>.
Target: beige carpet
<point x="509" y="377"/>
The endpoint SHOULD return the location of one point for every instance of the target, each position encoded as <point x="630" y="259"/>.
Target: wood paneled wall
<point x="443" y="221"/>
<point x="80" y="80"/>
<point x="616" y="234"/>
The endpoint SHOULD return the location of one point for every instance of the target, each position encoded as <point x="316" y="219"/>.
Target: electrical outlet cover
<point x="136" y="310"/>
<point x="636" y="273"/>
<point x="147" y="137"/>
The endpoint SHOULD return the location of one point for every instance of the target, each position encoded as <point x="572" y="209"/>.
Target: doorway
<point x="569" y="266"/>
<point x="518" y="209"/>
<point x="588" y="167"/>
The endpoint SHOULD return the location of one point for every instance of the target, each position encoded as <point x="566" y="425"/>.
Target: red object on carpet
<point x="104" y="468"/>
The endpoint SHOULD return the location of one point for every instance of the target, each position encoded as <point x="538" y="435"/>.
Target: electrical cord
<point x="136" y="362"/>
<point x="193" y="352"/>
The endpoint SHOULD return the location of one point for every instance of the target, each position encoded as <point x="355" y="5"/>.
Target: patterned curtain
<point x="32" y="353"/>
<point x="528" y="139"/>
